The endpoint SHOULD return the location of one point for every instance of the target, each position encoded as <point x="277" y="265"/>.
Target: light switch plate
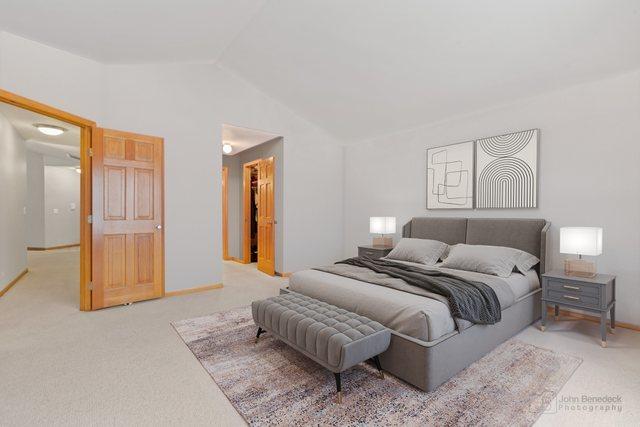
<point x="56" y="210"/>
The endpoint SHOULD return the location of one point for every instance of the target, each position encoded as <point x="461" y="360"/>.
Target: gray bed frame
<point x="426" y="365"/>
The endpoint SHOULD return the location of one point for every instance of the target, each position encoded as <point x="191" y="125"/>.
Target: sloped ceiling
<point x="131" y="31"/>
<point x="357" y="68"/>
<point x="369" y="67"/>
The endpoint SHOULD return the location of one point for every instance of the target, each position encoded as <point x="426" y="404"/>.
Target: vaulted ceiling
<point x="357" y="68"/>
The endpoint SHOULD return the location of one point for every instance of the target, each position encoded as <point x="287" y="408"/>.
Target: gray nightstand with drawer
<point x="596" y="294"/>
<point x="374" y="252"/>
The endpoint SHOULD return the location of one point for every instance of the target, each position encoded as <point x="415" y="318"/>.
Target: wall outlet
<point x="56" y="211"/>
<point x="24" y="210"/>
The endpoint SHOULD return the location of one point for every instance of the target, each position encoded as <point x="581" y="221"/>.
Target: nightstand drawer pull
<point x="572" y="297"/>
<point x="575" y="288"/>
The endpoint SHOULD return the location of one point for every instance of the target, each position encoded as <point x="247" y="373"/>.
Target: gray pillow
<point x="526" y="262"/>
<point x="496" y="260"/>
<point x="423" y="251"/>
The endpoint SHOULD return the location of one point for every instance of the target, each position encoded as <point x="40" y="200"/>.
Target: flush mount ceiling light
<point x="51" y="130"/>
<point x="227" y="148"/>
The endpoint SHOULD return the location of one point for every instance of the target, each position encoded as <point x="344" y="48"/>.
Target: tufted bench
<point x="335" y="338"/>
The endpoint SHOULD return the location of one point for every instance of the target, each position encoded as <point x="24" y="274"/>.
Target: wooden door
<point x="225" y="213"/>
<point x="128" y="218"/>
<point x="266" y="229"/>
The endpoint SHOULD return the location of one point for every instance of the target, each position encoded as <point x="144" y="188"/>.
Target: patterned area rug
<point x="270" y="383"/>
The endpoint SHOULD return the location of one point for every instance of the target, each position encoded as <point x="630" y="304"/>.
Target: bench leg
<point x="260" y="331"/>
<point x="338" y="386"/>
<point x="376" y="360"/>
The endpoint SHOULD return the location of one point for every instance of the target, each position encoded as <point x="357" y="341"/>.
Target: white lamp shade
<point x="382" y="224"/>
<point x="581" y="240"/>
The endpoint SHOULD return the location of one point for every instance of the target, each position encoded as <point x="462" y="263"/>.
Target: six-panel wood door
<point x="128" y="234"/>
<point x="266" y="238"/>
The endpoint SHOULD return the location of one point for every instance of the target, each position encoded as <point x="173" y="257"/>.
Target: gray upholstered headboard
<point x="529" y="235"/>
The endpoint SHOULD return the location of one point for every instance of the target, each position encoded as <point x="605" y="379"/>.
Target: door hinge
<point x="90" y="152"/>
<point x="90" y="286"/>
<point x="90" y="219"/>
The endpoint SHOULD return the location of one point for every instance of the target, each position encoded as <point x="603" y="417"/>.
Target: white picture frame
<point x="507" y="171"/>
<point x="450" y="176"/>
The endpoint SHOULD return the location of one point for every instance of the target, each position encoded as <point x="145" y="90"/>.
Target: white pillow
<point x="496" y="260"/>
<point x="422" y="251"/>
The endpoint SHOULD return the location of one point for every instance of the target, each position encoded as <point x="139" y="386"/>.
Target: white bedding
<point x="414" y="315"/>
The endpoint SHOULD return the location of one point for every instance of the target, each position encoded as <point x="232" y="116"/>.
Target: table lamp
<point x="382" y="225"/>
<point x="580" y="241"/>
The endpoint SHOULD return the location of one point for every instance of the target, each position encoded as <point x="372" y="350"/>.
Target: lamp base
<point x="579" y="268"/>
<point x="383" y="241"/>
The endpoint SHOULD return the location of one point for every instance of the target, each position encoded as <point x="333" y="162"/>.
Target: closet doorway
<point x="258" y="214"/>
<point x="252" y="198"/>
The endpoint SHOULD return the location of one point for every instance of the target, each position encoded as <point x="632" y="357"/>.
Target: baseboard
<point x="193" y="290"/>
<point x="283" y="274"/>
<point x="50" y="248"/>
<point x="14" y="281"/>
<point x="579" y="315"/>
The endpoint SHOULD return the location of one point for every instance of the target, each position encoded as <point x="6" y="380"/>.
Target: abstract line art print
<point x="507" y="170"/>
<point x="450" y="176"/>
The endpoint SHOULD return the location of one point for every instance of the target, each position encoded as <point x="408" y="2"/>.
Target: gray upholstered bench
<point x="335" y="338"/>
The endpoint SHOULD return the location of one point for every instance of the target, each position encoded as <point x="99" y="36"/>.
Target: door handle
<point x="159" y="227"/>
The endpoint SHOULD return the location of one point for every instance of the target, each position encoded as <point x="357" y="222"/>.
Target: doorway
<point x="61" y="119"/>
<point x="252" y="198"/>
<point x="121" y="210"/>
<point x="259" y="222"/>
<point x="250" y="211"/>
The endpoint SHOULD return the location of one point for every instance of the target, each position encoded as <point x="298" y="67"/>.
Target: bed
<point x="428" y="346"/>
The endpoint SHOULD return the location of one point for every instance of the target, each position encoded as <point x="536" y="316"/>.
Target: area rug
<point x="270" y="383"/>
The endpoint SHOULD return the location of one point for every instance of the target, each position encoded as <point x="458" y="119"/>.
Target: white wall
<point x="187" y="105"/>
<point x="52" y="76"/>
<point x="35" y="200"/>
<point x="13" y="188"/>
<point x="589" y="172"/>
<point x="61" y="219"/>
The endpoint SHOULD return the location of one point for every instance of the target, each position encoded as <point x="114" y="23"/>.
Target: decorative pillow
<point x="526" y="262"/>
<point x="423" y="251"/>
<point x="496" y="260"/>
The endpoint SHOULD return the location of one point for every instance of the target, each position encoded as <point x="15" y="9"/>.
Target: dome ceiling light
<point x="50" y="130"/>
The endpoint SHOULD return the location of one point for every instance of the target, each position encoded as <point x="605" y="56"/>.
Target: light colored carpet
<point x="270" y="383"/>
<point x="127" y="366"/>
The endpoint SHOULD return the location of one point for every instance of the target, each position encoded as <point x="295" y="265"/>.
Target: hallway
<point x="52" y="284"/>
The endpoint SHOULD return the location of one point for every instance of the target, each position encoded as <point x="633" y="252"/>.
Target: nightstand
<point x="595" y="294"/>
<point x="374" y="252"/>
